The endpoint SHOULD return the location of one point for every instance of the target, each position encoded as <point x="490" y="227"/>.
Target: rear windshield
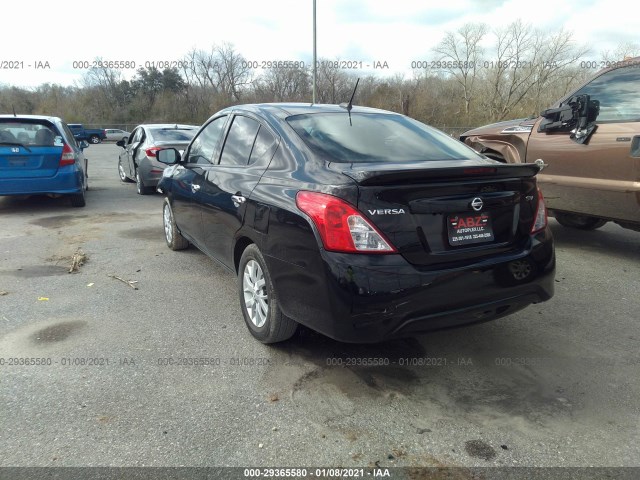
<point x="376" y="137"/>
<point x="173" y="134"/>
<point x="30" y="134"/>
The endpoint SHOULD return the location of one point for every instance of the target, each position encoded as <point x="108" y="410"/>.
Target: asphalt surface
<point x="554" y="385"/>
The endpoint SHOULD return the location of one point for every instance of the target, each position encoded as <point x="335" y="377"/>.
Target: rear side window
<point x="31" y="134"/>
<point x="136" y="137"/>
<point x="69" y="135"/>
<point x="618" y="92"/>
<point x="264" y="146"/>
<point x="375" y="137"/>
<point x="240" y="140"/>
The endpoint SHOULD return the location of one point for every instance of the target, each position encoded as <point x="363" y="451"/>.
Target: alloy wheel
<point x="255" y="293"/>
<point x="168" y="223"/>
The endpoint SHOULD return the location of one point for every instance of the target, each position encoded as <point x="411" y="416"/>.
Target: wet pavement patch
<point x="58" y="332"/>
<point x="479" y="449"/>
<point x="149" y="233"/>
<point x="57" y="221"/>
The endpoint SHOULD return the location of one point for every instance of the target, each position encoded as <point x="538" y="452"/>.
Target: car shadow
<point x="611" y="240"/>
<point x="487" y="369"/>
<point x="35" y="204"/>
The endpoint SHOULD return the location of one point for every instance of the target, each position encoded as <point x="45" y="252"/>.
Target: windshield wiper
<point x="16" y="144"/>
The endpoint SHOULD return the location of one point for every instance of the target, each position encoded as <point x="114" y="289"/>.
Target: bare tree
<point x="284" y="84"/>
<point x="509" y="72"/>
<point x="622" y="51"/>
<point x="556" y="70"/>
<point x="233" y="73"/>
<point x="333" y="84"/>
<point x="461" y="55"/>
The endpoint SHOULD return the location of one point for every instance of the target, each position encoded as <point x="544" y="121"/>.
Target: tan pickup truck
<point x="589" y="146"/>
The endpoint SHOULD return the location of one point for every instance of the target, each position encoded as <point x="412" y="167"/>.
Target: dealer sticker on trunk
<point x="472" y="228"/>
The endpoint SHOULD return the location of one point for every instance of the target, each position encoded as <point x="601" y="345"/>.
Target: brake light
<point x="342" y="228"/>
<point x="541" y="218"/>
<point x="68" y="157"/>
<point x="151" y="152"/>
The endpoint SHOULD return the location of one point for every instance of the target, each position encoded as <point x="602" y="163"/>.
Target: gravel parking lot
<point x="554" y="385"/>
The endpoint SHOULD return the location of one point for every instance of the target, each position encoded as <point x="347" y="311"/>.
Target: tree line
<point x="479" y="75"/>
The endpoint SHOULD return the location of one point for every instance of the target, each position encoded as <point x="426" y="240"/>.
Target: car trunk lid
<point x="443" y="212"/>
<point x="29" y="161"/>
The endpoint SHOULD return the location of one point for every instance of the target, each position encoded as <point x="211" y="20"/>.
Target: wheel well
<point x="241" y="245"/>
<point x="492" y="154"/>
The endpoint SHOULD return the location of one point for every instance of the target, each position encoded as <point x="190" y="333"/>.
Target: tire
<point x="122" y="174"/>
<point x="173" y="237"/>
<point x="259" y="300"/>
<point x="94" y="139"/>
<point x="78" y="200"/>
<point x="580" y="222"/>
<point x="140" y="187"/>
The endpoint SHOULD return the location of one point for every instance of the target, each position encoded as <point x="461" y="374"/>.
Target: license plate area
<point x="18" y="161"/>
<point x="469" y="228"/>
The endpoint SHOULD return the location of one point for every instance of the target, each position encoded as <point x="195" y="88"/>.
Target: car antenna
<point x="349" y="105"/>
<point x="14" y="110"/>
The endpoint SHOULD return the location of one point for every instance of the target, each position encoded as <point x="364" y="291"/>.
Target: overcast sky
<point x="392" y="31"/>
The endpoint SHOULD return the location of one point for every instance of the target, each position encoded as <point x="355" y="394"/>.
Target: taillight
<point x="68" y="157"/>
<point x="342" y="228"/>
<point x="541" y="219"/>
<point x="151" y="152"/>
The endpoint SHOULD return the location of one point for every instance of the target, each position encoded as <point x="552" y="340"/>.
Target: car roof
<point x="166" y="125"/>
<point x="283" y="110"/>
<point x="32" y="117"/>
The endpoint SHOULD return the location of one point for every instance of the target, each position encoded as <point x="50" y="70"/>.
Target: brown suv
<point x="589" y="145"/>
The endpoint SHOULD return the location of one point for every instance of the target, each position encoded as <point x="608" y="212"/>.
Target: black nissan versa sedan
<point x="359" y="223"/>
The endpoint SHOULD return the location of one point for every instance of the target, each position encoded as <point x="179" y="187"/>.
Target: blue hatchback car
<point x="39" y="156"/>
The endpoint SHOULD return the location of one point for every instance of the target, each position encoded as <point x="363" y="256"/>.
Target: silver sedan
<point x="138" y="162"/>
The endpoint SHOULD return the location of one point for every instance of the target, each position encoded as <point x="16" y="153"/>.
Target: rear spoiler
<point x="384" y="175"/>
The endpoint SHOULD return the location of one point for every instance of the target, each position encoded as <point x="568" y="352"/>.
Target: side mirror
<point x="120" y="143"/>
<point x="83" y="144"/>
<point x="168" y="156"/>
<point x="577" y="115"/>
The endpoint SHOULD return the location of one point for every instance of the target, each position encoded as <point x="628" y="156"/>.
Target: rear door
<point x="29" y="149"/>
<point x="226" y="191"/>
<point x="134" y="149"/>
<point x="602" y="176"/>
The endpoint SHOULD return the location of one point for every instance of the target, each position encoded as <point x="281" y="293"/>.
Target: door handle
<point x="238" y="199"/>
<point x="195" y="188"/>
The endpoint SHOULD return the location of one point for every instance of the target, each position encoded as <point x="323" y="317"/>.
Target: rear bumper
<point x="65" y="181"/>
<point x="354" y="298"/>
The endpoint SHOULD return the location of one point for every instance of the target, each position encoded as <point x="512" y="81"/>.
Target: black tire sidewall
<point x="579" y="222"/>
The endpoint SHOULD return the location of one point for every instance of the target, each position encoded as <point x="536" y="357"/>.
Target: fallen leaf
<point x="43" y="299"/>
